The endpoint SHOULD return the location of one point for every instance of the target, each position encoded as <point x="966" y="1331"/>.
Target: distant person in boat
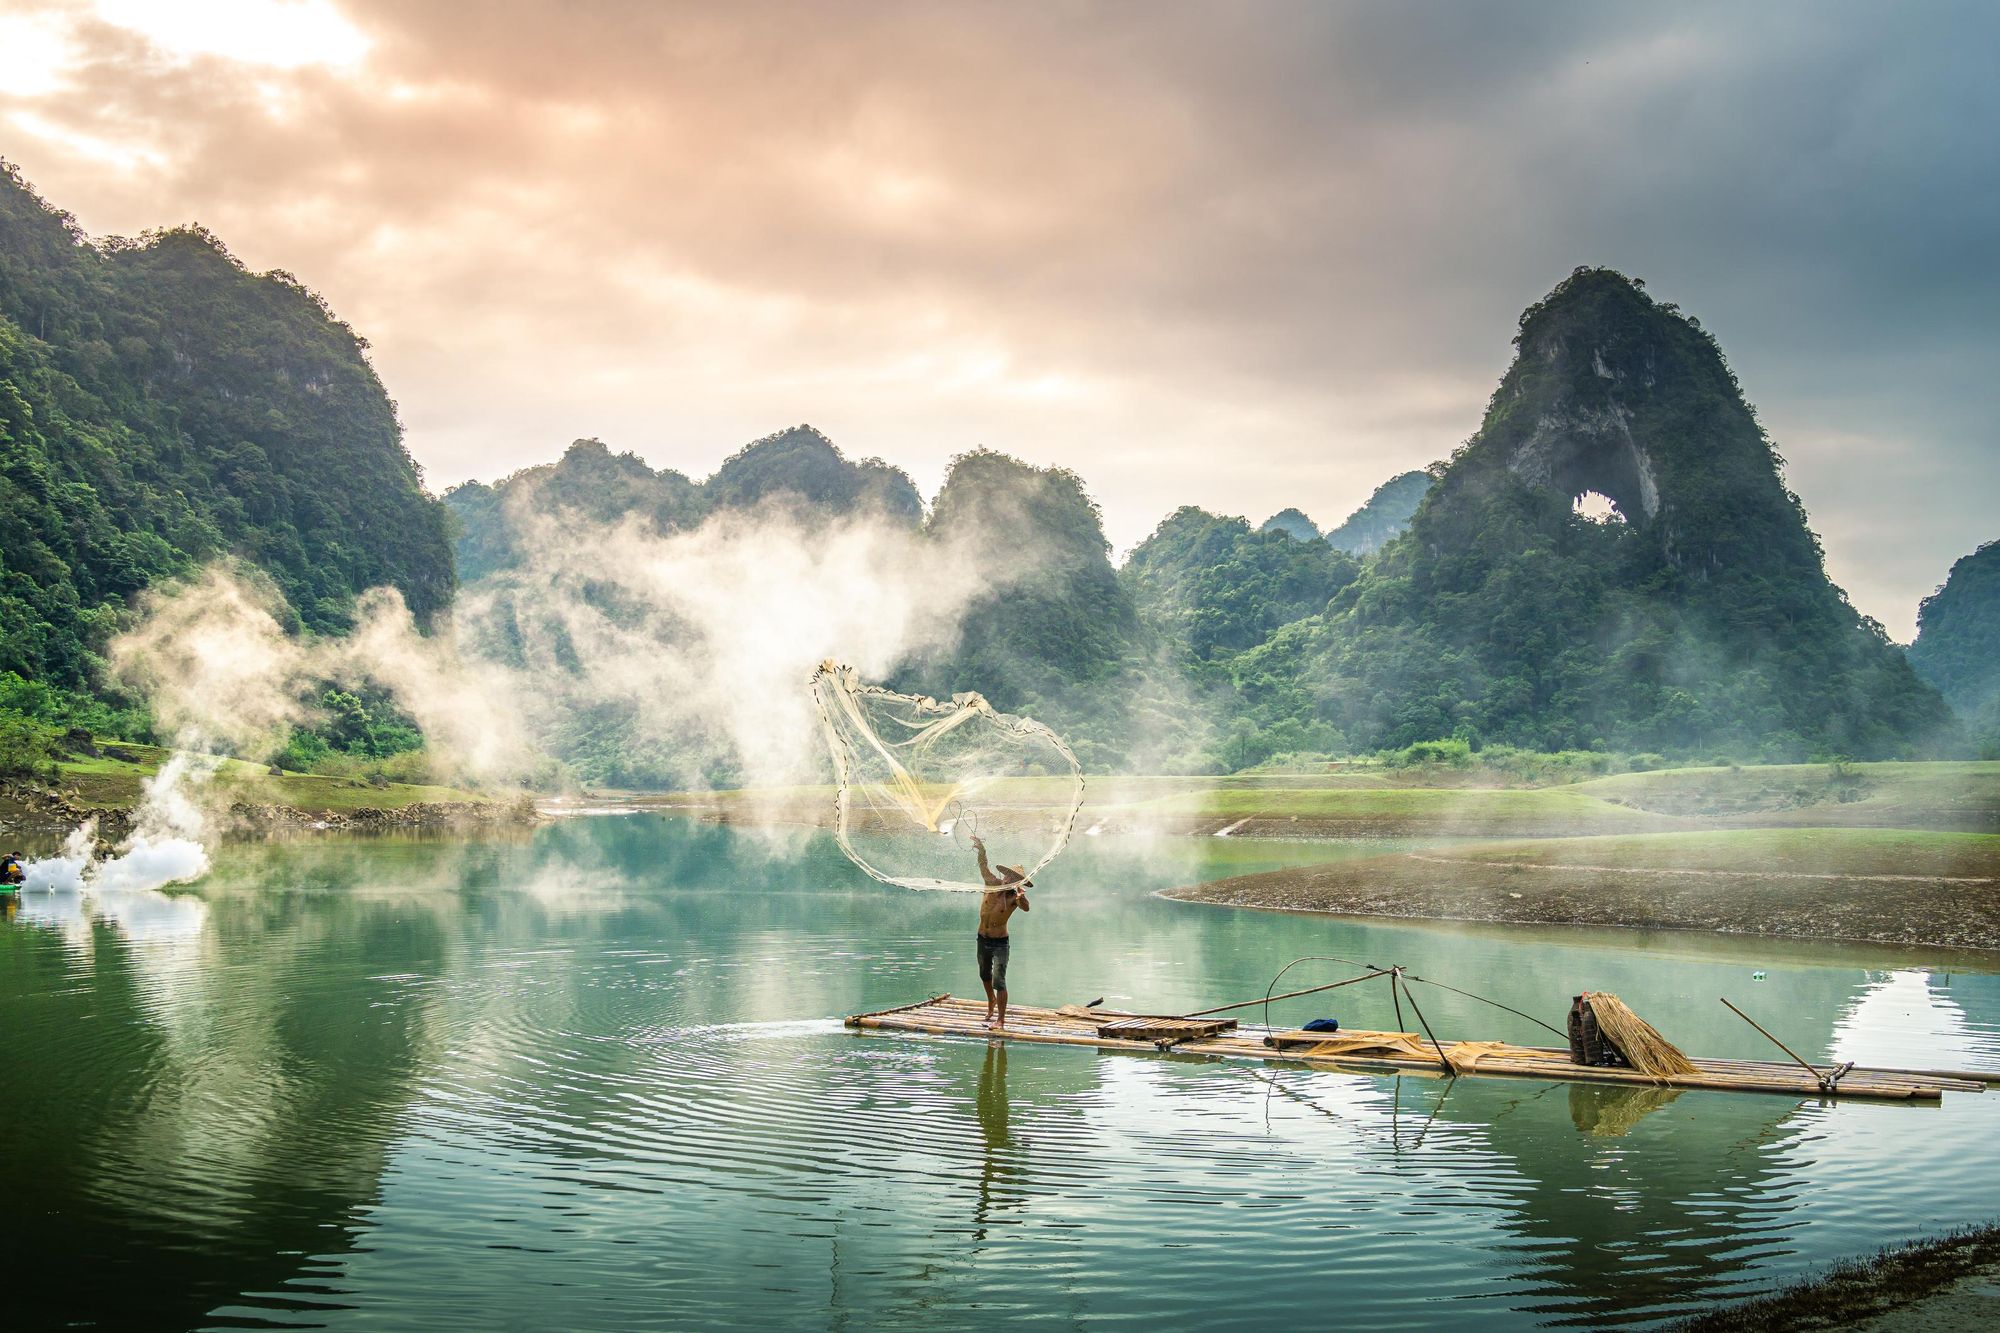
<point x="1006" y="890"/>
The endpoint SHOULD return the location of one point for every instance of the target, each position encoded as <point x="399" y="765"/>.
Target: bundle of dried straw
<point x="1636" y="1039"/>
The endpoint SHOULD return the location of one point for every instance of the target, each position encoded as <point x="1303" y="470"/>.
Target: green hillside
<point x="1056" y="620"/>
<point x="161" y="406"/>
<point x="804" y="465"/>
<point x="1293" y="523"/>
<point x="1213" y="586"/>
<point x="1958" y="642"/>
<point x="1384" y="518"/>
<point x="591" y="485"/>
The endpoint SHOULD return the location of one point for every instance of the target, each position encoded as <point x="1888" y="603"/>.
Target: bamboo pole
<point x="1824" y="1083"/>
<point x="1288" y="995"/>
<point x="1396" y="979"/>
<point x="1979" y="1078"/>
<point x="1963" y="1080"/>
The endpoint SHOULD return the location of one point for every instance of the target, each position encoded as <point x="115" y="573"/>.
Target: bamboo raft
<point x="1391" y="1052"/>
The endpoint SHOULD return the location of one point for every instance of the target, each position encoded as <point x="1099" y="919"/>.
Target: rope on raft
<point x="1373" y="970"/>
<point x="1495" y="1003"/>
<point x="1649" y="1052"/>
<point x="1288" y="995"/>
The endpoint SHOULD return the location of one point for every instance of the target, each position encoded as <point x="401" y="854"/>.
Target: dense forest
<point x="1384" y="518"/>
<point x="161" y="407"/>
<point x="1958" y="643"/>
<point x="1053" y="635"/>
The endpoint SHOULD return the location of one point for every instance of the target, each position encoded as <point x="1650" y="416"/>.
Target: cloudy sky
<point x="1241" y="255"/>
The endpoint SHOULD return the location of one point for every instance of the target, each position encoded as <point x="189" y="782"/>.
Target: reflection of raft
<point x="1106" y="1029"/>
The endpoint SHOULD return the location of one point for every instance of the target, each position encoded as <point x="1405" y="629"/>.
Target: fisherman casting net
<point x="919" y="779"/>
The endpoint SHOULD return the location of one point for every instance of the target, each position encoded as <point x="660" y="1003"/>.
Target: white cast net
<point x="918" y="780"/>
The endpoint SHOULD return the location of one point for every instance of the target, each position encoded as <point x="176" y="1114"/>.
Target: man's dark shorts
<point x="993" y="961"/>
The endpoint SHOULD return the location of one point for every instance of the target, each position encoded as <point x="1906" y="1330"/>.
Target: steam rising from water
<point x="165" y="846"/>
<point x="63" y="872"/>
<point x="213" y="659"/>
<point x="705" y="639"/>
<point x="699" y="642"/>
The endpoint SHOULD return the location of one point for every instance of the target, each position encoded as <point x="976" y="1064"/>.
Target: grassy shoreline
<point x="111" y="783"/>
<point x="246" y="797"/>
<point x="1904" y="854"/>
<point x="1906" y="1285"/>
<point x="1942" y="797"/>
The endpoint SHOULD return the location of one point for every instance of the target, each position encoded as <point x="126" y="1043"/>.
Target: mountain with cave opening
<point x="1703" y="620"/>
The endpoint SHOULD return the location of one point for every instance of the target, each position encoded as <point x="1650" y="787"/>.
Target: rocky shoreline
<point x="243" y="817"/>
<point x="41" y="812"/>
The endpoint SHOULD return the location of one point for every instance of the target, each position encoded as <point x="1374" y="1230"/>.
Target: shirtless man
<point x="1006" y="890"/>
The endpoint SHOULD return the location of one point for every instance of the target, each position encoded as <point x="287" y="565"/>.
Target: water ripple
<point x="462" y="1106"/>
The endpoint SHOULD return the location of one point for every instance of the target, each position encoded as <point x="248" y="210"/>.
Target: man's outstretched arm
<point x="993" y="881"/>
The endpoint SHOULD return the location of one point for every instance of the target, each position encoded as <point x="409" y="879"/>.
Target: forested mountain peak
<point x="803" y="462"/>
<point x="799" y="466"/>
<point x="1615" y="393"/>
<point x="1958" y="640"/>
<point x="1211" y="585"/>
<point x="1057" y="615"/>
<point x="1293" y="523"/>
<point x="1385" y="517"/>
<point x="588" y="484"/>
<point x="1019" y="504"/>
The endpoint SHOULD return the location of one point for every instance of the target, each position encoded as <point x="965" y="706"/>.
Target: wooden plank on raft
<point x="947" y="1015"/>
<point x="855" y="1020"/>
<point x="1160" y="1028"/>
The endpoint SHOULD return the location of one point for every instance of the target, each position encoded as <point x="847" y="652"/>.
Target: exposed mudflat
<point x="1946" y="900"/>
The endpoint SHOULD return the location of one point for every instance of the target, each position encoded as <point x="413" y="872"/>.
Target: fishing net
<point x="919" y="780"/>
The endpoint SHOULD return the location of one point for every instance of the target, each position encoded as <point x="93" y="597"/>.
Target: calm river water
<point x="594" y="1078"/>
